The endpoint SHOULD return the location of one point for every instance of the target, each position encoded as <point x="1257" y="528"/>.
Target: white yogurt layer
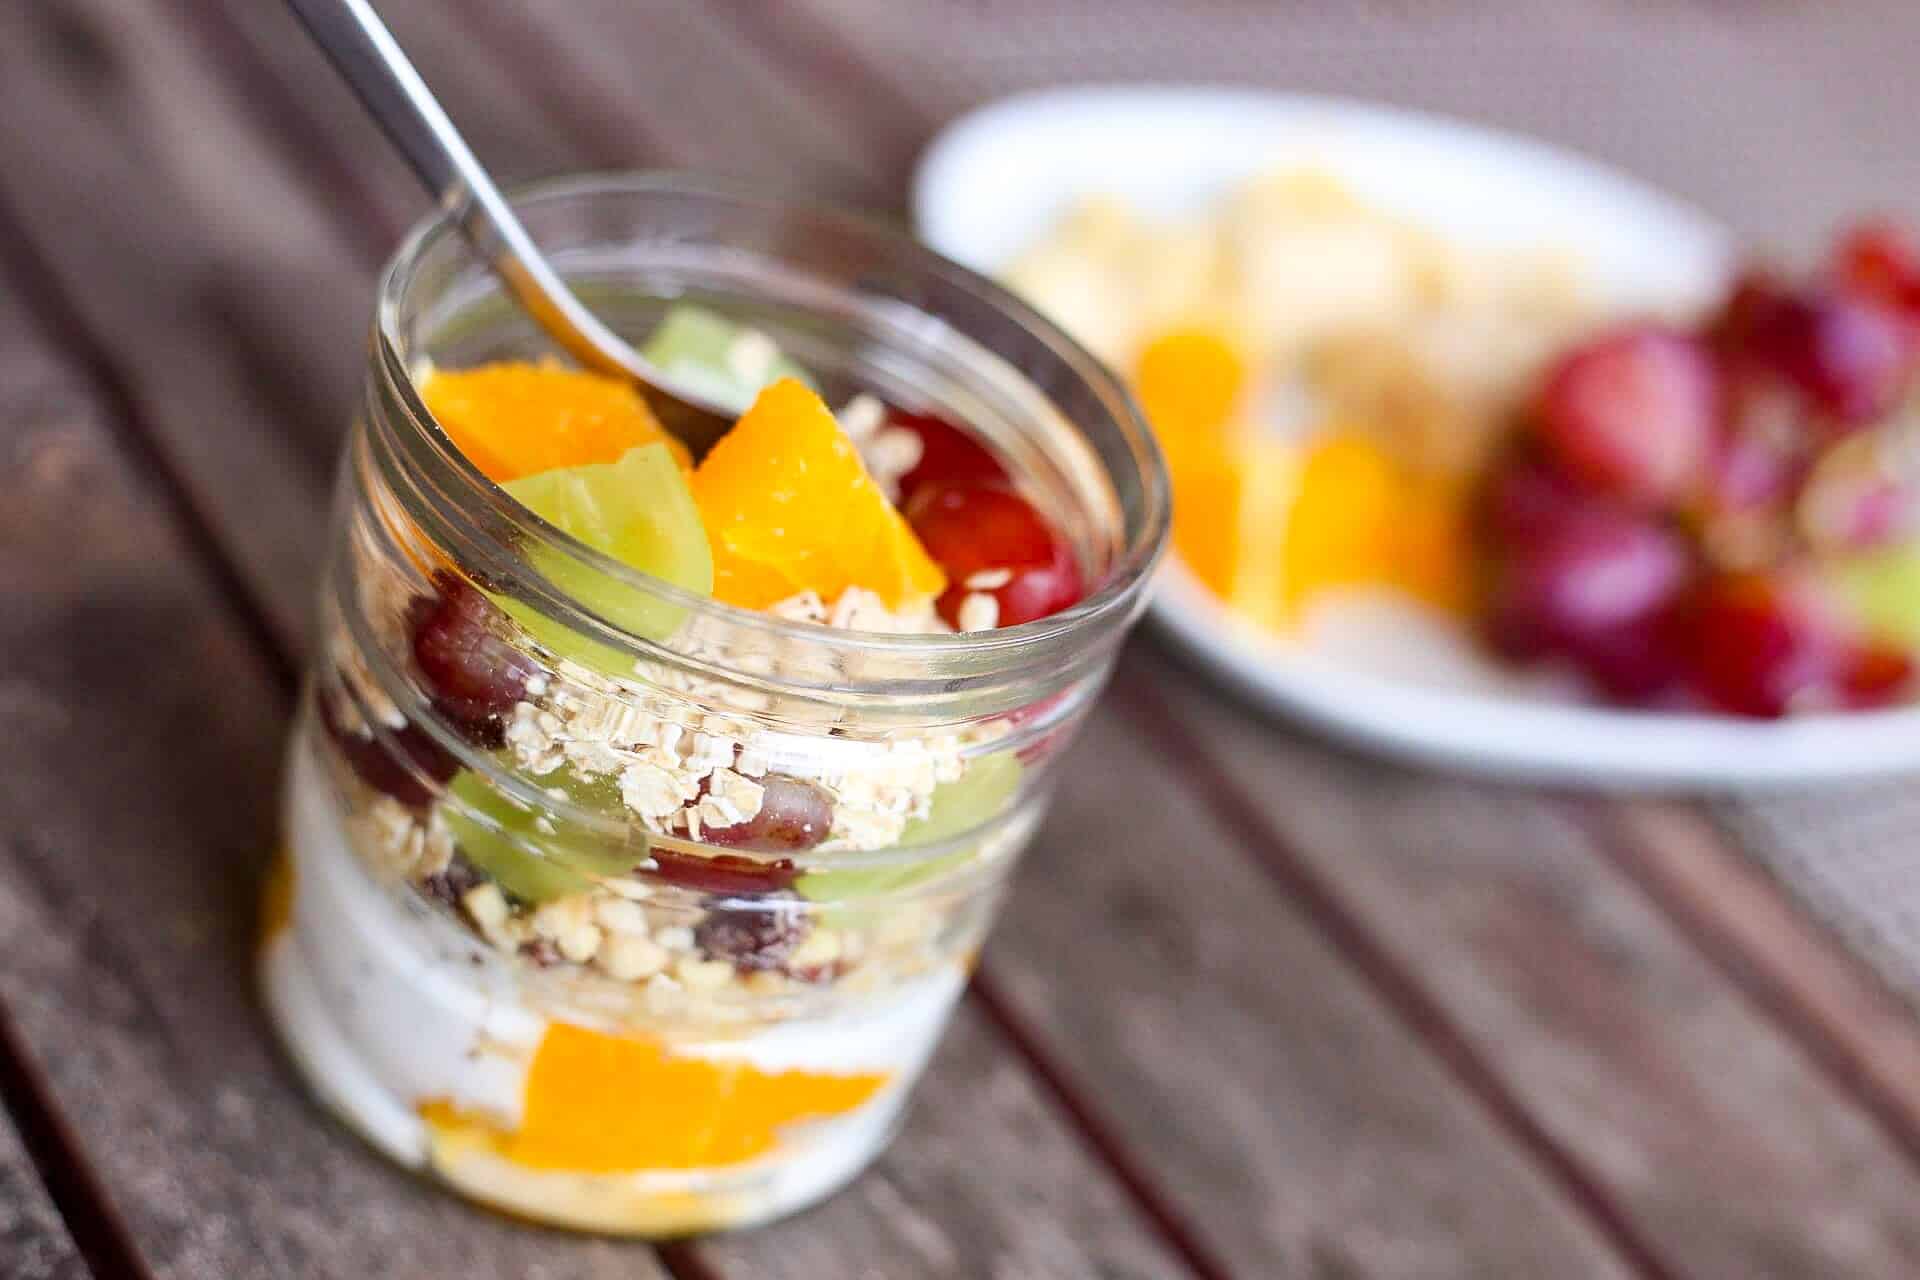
<point x="387" y="1004"/>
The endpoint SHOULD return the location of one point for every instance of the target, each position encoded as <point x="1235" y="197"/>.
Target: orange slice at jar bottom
<point x="598" y="1103"/>
<point x="515" y="419"/>
<point x="789" y="507"/>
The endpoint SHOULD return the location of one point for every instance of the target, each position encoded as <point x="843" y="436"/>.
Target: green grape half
<point x="637" y="510"/>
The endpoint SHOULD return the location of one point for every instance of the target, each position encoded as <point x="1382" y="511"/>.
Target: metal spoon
<point x="366" y="55"/>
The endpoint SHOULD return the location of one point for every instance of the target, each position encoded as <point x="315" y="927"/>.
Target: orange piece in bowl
<point x="515" y="419"/>
<point x="789" y="507"/>
<point x="1190" y="382"/>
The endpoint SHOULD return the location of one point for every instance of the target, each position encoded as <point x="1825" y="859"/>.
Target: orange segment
<point x="599" y="1103"/>
<point x="516" y="419"/>
<point x="1430" y="551"/>
<point x="790" y="507"/>
<point x="1363" y="518"/>
<point x="1190" y="382"/>
<point x="1337" y="531"/>
<point x="1268" y="526"/>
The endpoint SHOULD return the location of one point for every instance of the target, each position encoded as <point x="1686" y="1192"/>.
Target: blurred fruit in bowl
<point x="1714" y="512"/>
<point x="1599" y="587"/>
<point x="1764" y="454"/>
<point x="1632" y="414"/>
<point x="1769" y="644"/>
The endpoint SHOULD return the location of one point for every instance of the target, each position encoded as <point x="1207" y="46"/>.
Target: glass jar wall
<point x="616" y="907"/>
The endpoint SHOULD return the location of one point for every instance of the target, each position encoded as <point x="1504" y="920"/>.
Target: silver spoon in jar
<point x="370" y="60"/>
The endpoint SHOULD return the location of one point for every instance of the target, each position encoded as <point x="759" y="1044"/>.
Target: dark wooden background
<point x="1258" y="1008"/>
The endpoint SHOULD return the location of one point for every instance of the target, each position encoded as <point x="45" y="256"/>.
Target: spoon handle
<point x="366" y="55"/>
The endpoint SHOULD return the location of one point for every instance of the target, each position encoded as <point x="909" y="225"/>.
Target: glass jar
<point x="525" y="949"/>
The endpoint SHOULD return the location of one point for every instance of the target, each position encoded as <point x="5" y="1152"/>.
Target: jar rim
<point x="1120" y="591"/>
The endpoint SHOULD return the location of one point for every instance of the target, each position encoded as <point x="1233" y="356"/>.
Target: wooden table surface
<point x="1257" y="1008"/>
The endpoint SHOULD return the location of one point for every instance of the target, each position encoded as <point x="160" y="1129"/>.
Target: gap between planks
<point x="356" y="204"/>
<point x="98" y="1231"/>
<point x="1398" y="989"/>
<point x="1841" y="1013"/>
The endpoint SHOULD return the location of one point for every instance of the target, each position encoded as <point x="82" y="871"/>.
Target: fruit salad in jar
<point x="647" y="811"/>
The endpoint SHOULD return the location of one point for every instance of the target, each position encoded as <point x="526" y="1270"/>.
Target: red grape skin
<point x="404" y="763"/>
<point x="1877" y="259"/>
<point x="794" y="815"/>
<point x="1752" y="298"/>
<point x="1767" y="645"/>
<point x="474" y="674"/>
<point x="1847" y="355"/>
<point x="1526" y="496"/>
<point x="979" y="527"/>
<point x="724" y="873"/>
<point x="948" y="455"/>
<point x="1631" y="414"/>
<point x="1600" y="589"/>
<point x="755" y="936"/>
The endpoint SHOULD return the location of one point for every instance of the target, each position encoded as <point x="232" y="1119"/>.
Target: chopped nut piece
<point x="822" y="947"/>
<point x="617" y="915"/>
<point x="568" y="923"/>
<point x="861" y="416"/>
<point x="676" y="937"/>
<point x="579" y="945"/>
<point x="486" y="906"/>
<point x="631" y="958"/>
<point x="979" y="612"/>
<point x="988" y="579"/>
<point x="702" y="975"/>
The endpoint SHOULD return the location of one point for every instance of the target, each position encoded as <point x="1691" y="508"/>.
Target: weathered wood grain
<point x="1228" y="1043"/>
<point x="1716" y="1135"/>
<point x="982" y="1182"/>
<point x="172" y="223"/>
<point x="34" y="1244"/>
<point x="1847" y="856"/>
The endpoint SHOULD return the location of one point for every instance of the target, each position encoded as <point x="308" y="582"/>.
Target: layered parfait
<point x="599" y="913"/>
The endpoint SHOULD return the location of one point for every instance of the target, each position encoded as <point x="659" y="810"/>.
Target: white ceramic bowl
<point x="994" y="181"/>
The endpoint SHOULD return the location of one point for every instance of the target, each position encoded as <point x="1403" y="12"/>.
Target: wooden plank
<point x="140" y="785"/>
<point x="159" y="185"/>
<point x="1270" y="1203"/>
<point x="1714" y="1133"/>
<point x="34" y="1242"/>
<point x="1226" y="1041"/>
<point x="1844" y="866"/>
<point x="1846" y="853"/>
